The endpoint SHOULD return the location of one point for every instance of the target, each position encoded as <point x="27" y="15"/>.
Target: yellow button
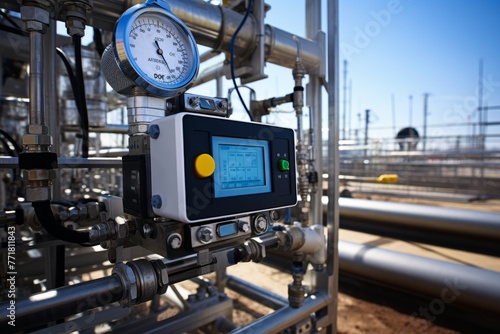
<point x="204" y="166"/>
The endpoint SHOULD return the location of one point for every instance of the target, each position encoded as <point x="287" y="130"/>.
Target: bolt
<point x="222" y="104"/>
<point x="275" y="215"/>
<point x="194" y="101"/>
<point x="205" y="234"/>
<point x="147" y="230"/>
<point x="154" y="131"/>
<point x="260" y="224"/>
<point x="244" y="227"/>
<point x="74" y="214"/>
<point x="156" y="201"/>
<point x="175" y="241"/>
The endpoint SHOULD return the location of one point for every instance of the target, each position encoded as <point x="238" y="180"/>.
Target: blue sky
<point x="400" y="48"/>
<point x="423" y="46"/>
<point x="404" y="47"/>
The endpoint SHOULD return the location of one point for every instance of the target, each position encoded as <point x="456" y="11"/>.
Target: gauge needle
<point x="160" y="52"/>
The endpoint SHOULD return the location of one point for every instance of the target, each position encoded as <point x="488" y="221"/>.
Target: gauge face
<point x="156" y="51"/>
<point x="160" y="49"/>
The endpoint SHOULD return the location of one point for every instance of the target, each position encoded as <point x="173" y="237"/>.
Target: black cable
<point x="74" y="85"/>
<point x="99" y="46"/>
<point x="80" y="95"/>
<point x="11" y="21"/>
<point x="231" y="54"/>
<point x="17" y="149"/>
<point x="12" y="30"/>
<point x="7" y="147"/>
<point x="49" y="223"/>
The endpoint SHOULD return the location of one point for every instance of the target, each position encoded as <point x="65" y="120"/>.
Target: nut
<point x="83" y="211"/>
<point x="93" y="210"/>
<point x="121" y="227"/>
<point x="129" y="283"/>
<point x="36" y="175"/>
<point x="37" y="139"/>
<point x="36" y="18"/>
<point x="162" y="274"/>
<point x="74" y="214"/>
<point x="137" y="129"/>
<point x="37" y="129"/>
<point x="38" y="194"/>
<point x="75" y="27"/>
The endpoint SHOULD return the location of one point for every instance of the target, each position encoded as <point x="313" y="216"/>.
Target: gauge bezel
<point x="129" y="66"/>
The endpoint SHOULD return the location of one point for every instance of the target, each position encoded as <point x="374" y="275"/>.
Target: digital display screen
<point x="242" y="166"/>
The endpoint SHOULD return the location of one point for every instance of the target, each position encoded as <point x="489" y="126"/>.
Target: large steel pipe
<point x="59" y="303"/>
<point x="213" y="26"/>
<point x="446" y="282"/>
<point x="469" y="223"/>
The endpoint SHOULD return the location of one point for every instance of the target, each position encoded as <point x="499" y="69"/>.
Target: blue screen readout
<point x="242" y="166"/>
<point x="227" y="230"/>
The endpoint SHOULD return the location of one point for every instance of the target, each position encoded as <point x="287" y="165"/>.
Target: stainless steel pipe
<point x="213" y="26"/>
<point x="469" y="223"/>
<point x="446" y="282"/>
<point x="36" y="92"/>
<point x="286" y="317"/>
<point x="256" y="293"/>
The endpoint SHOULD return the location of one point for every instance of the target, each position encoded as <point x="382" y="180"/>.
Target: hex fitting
<point x="296" y="295"/>
<point x="162" y="274"/>
<point x="75" y="14"/>
<point x="147" y="280"/>
<point x="252" y="250"/>
<point x="36" y="18"/>
<point x="141" y="280"/>
<point x="129" y="283"/>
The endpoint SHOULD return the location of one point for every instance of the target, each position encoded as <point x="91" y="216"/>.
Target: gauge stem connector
<point x="74" y="13"/>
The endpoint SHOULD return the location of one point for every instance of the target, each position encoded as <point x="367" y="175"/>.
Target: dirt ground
<point x="355" y="315"/>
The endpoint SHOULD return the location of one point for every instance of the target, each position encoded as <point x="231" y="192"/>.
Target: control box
<point x="206" y="168"/>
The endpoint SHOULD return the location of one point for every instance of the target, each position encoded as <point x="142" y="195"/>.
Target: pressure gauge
<point x="151" y="49"/>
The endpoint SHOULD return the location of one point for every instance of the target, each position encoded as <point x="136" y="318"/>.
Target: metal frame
<point x="278" y="47"/>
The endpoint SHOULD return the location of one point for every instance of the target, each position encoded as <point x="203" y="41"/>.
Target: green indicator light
<point x="283" y="165"/>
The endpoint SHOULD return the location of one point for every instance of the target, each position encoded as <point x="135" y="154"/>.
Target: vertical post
<point x="55" y="259"/>
<point x="36" y="92"/>
<point x="426" y="98"/>
<point x="410" y="107"/>
<point x="220" y="274"/>
<point x="314" y="100"/>
<point x="344" y="111"/>
<point x="349" y="102"/>
<point x="393" y="106"/>
<point x="480" y="105"/>
<point x="367" y="122"/>
<point x="332" y="268"/>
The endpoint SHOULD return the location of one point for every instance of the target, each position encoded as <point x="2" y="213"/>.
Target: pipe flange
<point x="147" y="281"/>
<point x="129" y="284"/>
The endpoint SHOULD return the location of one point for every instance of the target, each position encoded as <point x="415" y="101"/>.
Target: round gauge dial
<point x="154" y="50"/>
<point x="160" y="49"/>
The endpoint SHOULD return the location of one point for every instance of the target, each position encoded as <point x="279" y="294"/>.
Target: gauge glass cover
<point x="156" y="51"/>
